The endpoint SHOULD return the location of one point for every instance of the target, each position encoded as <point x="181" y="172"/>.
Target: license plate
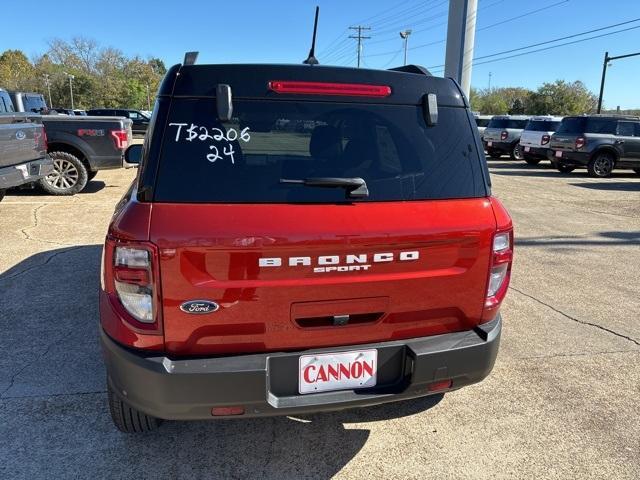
<point x="559" y="153"/>
<point x="337" y="371"/>
<point x="526" y="149"/>
<point x="489" y="144"/>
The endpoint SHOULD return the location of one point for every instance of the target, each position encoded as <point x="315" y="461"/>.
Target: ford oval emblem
<point x="20" y="135"/>
<point x="199" y="307"/>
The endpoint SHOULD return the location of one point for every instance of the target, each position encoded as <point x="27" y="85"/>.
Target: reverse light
<point x="325" y="88"/>
<point x="120" y="138"/>
<point x="580" y="142"/>
<point x="499" y="273"/>
<point x="545" y="139"/>
<point x="132" y="279"/>
<point x="504" y="135"/>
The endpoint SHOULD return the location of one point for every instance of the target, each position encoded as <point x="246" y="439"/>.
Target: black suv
<point x="139" y="119"/>
<point x="600" y="143"/>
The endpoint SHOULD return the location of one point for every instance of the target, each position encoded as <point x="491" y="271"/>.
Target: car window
<point x="134" y="115"/>
<point x="482" y="122"/>
<point x="579" y="125"/>
<point x="637" y="129"/>
<point x="626" y="129"/>
<point x="507" y="123"/>
<point x="243" y="161"/>
<point x="542" y="126"/>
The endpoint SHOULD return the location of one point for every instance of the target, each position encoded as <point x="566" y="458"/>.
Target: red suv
<point x="298" y="239"/>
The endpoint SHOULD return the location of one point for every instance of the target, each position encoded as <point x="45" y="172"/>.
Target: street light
<point x="71" y="77"/>
<point x="606" y="63"/>
<point x="48" y="84"/>
<point x="405" y="36"/>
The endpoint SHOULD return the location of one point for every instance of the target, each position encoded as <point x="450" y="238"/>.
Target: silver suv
<point x="534" y="141"/>
<point x="502" y="136"/>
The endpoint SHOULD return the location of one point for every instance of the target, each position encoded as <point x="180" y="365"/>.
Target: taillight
<point x="499" y="273"/>
<point x="41" y="140"/>
<point x="131" y="279"/>
<point x="121" y="138"/>
<point x="545" y="139"/>
<point x="504" y="135"/>
<point x="580" y="141"/>
<point x="324" y="88"/>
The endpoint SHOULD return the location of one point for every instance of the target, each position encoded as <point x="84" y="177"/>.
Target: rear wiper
<point x="355" y="187"/>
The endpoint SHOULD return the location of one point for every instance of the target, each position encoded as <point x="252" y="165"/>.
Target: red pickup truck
<point x="298" y="239"/>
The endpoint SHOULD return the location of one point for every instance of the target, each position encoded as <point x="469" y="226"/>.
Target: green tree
<point x="563" y="98"/>
<point x="16" y="71"/>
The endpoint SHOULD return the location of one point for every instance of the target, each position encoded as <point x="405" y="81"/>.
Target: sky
<point x="280" y="32"/>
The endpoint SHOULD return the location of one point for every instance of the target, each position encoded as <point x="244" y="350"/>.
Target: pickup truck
<point x="80" y="146"/>
<point x="23" y="148"/>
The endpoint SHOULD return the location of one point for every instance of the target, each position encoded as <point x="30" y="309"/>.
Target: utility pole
<point x="360" y="38"/>
<point x="461" y="34"/>
<point x="608" y="59"/>
<point x="48" y="84"/>
<point x="71" y="77"/>
<point x="405" y="36"/>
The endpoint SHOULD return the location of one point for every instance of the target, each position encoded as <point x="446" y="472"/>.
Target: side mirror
<point x="133" y="156"/>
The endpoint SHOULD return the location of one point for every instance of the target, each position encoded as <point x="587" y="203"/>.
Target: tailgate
<point x="531" y="139"/>
<point x="19" y="143"/>
<point x="492" y="135"/>
<point x="563" y="142"/>
<point x="347" y="274"/>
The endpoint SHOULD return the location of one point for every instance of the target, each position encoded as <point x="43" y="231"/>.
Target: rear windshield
<point x="482" y="122"/>
<point x="578" y="125"/>
<point x="34" y="103"/>
<point x="542" y="126"/>
<point x="244" y="160"/>
<point x="507" y="123"/>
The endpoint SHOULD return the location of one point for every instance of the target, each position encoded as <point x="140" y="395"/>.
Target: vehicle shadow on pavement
<point x="92" y="186"/>
<point x="53" y="400"/>
<point x="611" y="186"/>
<point x="608" y="239"/>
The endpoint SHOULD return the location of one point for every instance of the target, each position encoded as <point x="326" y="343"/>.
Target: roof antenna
<point x="311" y="59"/>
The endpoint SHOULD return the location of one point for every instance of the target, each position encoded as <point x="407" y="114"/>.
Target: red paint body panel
<point x="211" y="251"/>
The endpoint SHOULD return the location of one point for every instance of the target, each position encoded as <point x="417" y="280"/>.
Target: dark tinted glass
<point x="243" y="161"/>
<point x="578" y="125"/>
<point x="482" y="122"/>
<point x="34" y="103"/>
<point x="626" y="129"/>
<point x="507" y="123"/>
<point x="542" y="126"/>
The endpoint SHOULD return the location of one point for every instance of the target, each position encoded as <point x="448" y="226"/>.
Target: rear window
<point x="507" y="123"/>
<point x="34" y="103"/>
<point x="243" y="161"/>
<point x="542" y="126"/>
<point x="482" y="122"/>
<point x="579" y="125"/>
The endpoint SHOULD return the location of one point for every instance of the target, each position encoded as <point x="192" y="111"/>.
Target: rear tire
<point x="69" y="175"/>
<point x="2" y="192"/>
<point x="516" y="152"/>
<point x="601" y="165"/>
<point x="532" y="161"/>
<point x="128" y="419"/>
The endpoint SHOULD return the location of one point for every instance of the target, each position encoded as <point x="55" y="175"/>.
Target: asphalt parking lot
<point x="562" y="401"/>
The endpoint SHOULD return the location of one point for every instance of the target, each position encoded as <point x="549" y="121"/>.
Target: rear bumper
<point x="504" y="147"/>
<point x="106" y="162"/>
<point x="576" y="159"/>
<point x="267" y="384"/>
<point x="537" y="153"/>
<point x="23" y="173"/>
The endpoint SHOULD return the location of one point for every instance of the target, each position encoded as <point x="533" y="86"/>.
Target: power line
<point x="557" y="40"/>
<point x="540" y="49"/>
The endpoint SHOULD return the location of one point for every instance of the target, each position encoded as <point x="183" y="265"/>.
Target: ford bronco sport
<point x="298" y="239"/>
<point x="535" y="138"/>
<point x="502" y="136"/>
<point x="601" y="143"/>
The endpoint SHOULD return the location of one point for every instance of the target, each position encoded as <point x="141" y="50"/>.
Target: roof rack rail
<point x="412" y="69"/>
